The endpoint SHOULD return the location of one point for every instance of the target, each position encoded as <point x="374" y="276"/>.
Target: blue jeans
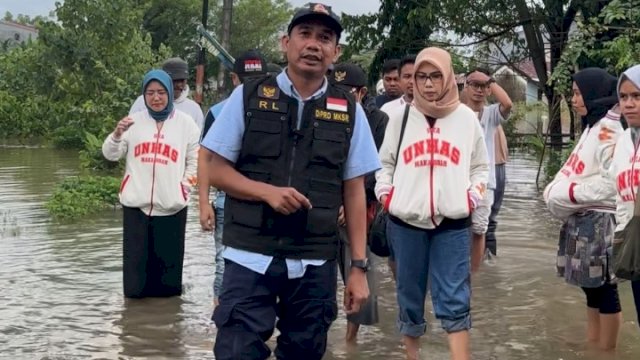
<point x="217" y="235"/>
<point x="440" y="257"/>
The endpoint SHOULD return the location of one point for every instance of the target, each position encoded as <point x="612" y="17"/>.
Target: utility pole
<point x="227" y="12"/>
<point x="201" y="57"/>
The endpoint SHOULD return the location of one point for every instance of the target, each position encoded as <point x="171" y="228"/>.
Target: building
<point x="13" y="33"/>
<point x="521" y="82"/>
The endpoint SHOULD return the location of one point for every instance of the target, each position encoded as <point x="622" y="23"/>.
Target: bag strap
<point x="405" y="118"/>
<point x="636" y="209"/>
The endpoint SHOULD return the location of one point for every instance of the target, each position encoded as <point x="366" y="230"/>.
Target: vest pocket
<point x="328" y="148"/>
<point x="322" y="219"/>
<point x="263" y="138"/>
<point x="247" y="213"/>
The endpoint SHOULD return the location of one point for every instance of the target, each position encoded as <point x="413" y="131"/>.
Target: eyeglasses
<point x="477" y="86"/>
<point x="435" y="77"/>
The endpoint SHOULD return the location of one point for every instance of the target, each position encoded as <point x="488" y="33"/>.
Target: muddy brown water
<point x="61" y="290"/>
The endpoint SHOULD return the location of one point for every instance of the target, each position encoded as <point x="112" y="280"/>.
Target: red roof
<point x="21" y="26"/>
<point x="527" y="68"/>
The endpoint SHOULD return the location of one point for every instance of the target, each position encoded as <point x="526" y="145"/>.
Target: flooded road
<point x="61" y="285"/>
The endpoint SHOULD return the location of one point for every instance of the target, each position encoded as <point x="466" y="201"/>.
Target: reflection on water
<point x="62" y="298"/>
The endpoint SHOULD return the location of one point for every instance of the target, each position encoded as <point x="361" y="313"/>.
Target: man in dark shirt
<point x="391" y="82"/>
<point x="353" y="79"/>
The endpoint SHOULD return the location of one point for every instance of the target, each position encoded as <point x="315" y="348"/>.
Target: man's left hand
<point x="342" y="221"/>
<point x="357" y="291"/>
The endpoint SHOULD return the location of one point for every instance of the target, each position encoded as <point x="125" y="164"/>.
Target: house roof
<point x="14" y="24"/>
<point x="528" y="69"/>
<point x="525" y="70"/>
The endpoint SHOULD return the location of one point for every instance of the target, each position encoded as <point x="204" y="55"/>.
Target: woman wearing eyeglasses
<point x="433" y="175"/>
<point x="160" y="147"/>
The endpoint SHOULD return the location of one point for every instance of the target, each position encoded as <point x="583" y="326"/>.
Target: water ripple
<point x="62" y="298"/>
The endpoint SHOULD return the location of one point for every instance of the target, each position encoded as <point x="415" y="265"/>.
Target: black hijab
<point x="598" y="89"/>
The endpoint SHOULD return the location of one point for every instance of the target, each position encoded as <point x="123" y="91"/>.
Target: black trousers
<point x="635" y="286"/>
<point x="498" y="195"/>
<point x="153" y="253"/>
<point x="250" y="302"/>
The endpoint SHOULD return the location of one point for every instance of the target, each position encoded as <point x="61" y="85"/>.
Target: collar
<point x="183" y="96"/>
<point x="287" y="87"/>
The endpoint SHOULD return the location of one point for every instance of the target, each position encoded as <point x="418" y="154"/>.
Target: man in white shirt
<point x="478" y="86"/>
<point x="406" y="84"/>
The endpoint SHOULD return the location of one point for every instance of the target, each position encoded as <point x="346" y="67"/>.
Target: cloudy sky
<point x="43" y="7"/>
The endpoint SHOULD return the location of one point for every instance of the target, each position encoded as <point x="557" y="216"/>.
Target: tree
<point x="172" y="23"/>
<point x="610" y="40"/>
<point x="82" y="74"/>
<point x="392" y="32"/>
<point x="545" y="26"/>
<point x="256" y="25"/>
<point x="25" y="19"/>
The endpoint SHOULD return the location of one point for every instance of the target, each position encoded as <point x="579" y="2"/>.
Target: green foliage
<point x="81" y="75"/>
<point x="25" y="19"/>
<point x="518" y="116"/>
<point x="91" y="158"/>
<point x="256" y="24"/>
<point x="399" y="28"/>
<point x="556" y="160"/>
<point x="610" y="40"/>
<point x="172" y="23"/>
<point x="79" y="196"/>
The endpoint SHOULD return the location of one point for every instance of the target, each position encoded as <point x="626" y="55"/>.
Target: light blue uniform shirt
<point x="215" y="111"/>
<point x="225" y="139"/>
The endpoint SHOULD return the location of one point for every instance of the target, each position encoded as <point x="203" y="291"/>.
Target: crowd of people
<point x="304" y="159"/>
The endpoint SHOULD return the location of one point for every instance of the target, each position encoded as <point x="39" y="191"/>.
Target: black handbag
<point x="377" y="239"/>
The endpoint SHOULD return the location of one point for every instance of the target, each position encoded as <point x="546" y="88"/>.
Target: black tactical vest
<point x="309" y="156"/>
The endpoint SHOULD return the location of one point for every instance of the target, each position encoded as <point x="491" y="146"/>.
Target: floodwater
<point x="61" y="288"/>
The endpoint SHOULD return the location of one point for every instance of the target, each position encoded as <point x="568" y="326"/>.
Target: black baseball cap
<point x="176" y="68"/>
<point x="319" y="12"/>
<point x="250" y="63"/>
<point x="348" y="75"/>
<point x="273" y="68"/>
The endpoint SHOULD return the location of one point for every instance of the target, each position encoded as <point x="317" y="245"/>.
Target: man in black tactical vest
<point x="289" y="151"/>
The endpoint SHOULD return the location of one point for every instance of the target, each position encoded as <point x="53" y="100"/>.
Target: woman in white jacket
<point x="430" y="185"/>
<point x="160" y="147"/>
<point x="582" y="195"/>
<point x="625" y="170"/>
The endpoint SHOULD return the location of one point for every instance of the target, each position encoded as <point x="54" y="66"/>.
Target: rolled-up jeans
<point x="440" y="257"/>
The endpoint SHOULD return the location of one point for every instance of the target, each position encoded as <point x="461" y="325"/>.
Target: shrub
<point x="83" y="195"/>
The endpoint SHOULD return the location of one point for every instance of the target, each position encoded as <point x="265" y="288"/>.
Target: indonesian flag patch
<point x="252" y="66"/>
<point x="337" y="104"/>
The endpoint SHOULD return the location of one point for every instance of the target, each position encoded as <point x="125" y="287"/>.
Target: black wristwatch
<point x="361" y="264"/>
